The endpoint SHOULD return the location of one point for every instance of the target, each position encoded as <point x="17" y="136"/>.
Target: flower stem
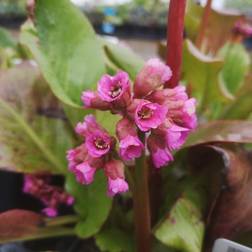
<point x="204" y="24"/>
<point x="175" y="31"/>
<point x="142" y="205"/>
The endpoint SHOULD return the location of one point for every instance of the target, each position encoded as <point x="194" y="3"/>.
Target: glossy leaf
<point x="91" y="203"/>
<point x="183" y="228"/>
<point x="114" y="240"/>
<point x="124" y="58"/>
<point x="236" y="66"/>
<point x="32" y="123"/>
<point x="222" y="131"/>
<point x="66" y="48"/>
<point x="201" y="72"/>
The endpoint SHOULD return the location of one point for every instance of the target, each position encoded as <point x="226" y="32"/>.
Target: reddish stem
<point x="204" y="24"/>
<point x="141" y="205"/>
<point x="175" y="31"/>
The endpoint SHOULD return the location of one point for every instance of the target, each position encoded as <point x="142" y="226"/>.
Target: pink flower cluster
<point x="51" y="196"/>
<point x="166" y="116"/>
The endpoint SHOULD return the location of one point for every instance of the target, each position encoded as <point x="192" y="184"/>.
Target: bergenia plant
<point x="121" y="154"/>
<point x="154" y="121"/>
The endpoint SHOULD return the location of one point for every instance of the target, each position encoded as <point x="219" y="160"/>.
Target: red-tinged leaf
<point x="232" y="211"/>
<point x="223" y="132"/>
<point x="17" y="223"/>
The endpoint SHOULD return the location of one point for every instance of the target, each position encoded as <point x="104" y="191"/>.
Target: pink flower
<point x="76" y="156"/>
<point x="114" y="170"/>
<point x="85" y="173"/>
<point x="50" y="212"/>
<point x="153" y="75"/>
<point x="99" y="143"/>
<point x="130" y="146"/>
<point x="116" y="186"/>
<point x="114" y="88"/>
<point x="87" y="126"/>
<point x="160" y="154"/>
<point x="149" y="115"/>
<point x="176" y="136"/>
<point x="92" y="100"/>
<point x="97" y="140"/>
<point x="50" y="195"/>
<point x="189" y="114"/>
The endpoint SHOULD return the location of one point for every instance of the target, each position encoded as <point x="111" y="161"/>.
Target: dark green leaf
<point x="91" y="203"/>
<point x="114" y="240"/>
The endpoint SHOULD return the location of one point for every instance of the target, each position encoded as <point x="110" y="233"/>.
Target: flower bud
<point x="153" y="75"/>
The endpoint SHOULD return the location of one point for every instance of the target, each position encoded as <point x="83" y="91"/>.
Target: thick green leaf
<point x="114" y="240"/>
<point x="222" y="131"/>
<point x="201" y="72"/>
<point x="236" y="66"/>
<point x="123" y="58"/>
<point x="32" y="123"/>
<point x="183" y="228"/>
<point x="91" y="203"/>
<point x="6" y="40"/>
<point x="241" y="108"/>
<point x="66" y="48"/>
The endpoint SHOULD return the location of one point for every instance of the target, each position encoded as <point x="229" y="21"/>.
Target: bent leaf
<point x="201" y="72"/>
<point x="236" y="66"/>
<point x="183" y="228"/>
<point x="31" y="124"/>
<point x="221" y="131"/>
<point x="91" y="203"/>
<point x="66" y="48"/>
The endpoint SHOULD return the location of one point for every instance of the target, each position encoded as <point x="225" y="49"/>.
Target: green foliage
<point x="114" y="240"/>
<point x="66" y="49"/>
<point x="201" y="72"/>
<point x="6" y="39"/>
<point x="91" y="203"/>
<point x="30" y="139"/>
<point x="183" y="228"/>
<point x="236" y="66"/>
<point x="123" y="58"/>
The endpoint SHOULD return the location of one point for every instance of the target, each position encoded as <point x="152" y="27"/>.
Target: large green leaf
<point x="114" y="240"/>
<point x="183" y="228"/>
<point x="124" y="58"/>
<point x="236" y="66"/>
<point x="226" y="131"/>
<point x="91" y="203"/>
<point x="66" y="48"/>
<point x="201" y="72"/>
<point x="34" y="134"/>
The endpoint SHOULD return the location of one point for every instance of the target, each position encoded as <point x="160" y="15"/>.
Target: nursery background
<point x="125" y="125"/>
